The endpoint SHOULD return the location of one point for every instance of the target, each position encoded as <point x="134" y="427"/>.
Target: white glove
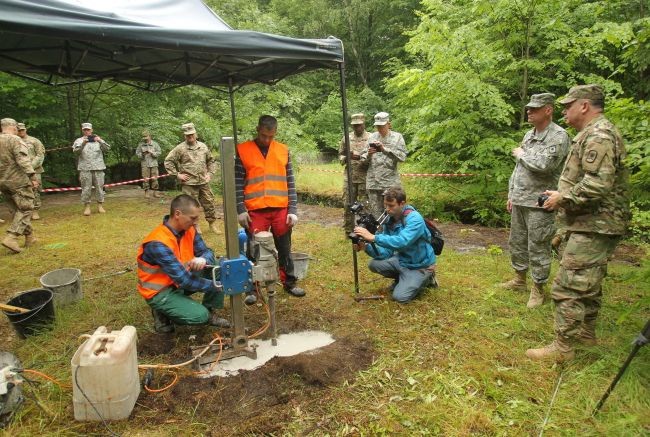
<point x="197" y="264"/>
<point x="244" y="219"/>
<point x="292" y="219"/>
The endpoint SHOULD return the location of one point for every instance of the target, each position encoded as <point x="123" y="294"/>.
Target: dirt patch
<point x="257" y="401"/>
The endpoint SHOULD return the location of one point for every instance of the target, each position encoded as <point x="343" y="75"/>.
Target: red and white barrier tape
<point x="56" y="190"/>
<point x="438" y="175"/>
<point x="59" y="148"/>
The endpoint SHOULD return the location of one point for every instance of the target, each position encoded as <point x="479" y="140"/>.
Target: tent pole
<point x="348" y="167"/>
<point x="231" y="93"/>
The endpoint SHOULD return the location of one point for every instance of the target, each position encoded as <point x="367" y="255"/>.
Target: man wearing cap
<point x="36" y="152"/>
<point x="593" y="207"/>
<point x="358" y="142"/>
<point x="384" y="150"/>
<point x="539" y="159"/>
<point x="148" y="151"/>
<point x="193" y="165"/>
<point x="17" y="183"/>
<point x="266" y="195"/>
<point x="90" y="150"/>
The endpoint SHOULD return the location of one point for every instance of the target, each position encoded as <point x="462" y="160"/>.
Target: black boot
<point x="161" y="322"/>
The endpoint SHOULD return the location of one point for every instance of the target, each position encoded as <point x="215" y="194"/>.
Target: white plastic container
<point x="105" y="375"/>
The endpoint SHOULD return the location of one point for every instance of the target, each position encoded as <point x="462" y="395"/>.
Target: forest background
<point x="454" y="75"/>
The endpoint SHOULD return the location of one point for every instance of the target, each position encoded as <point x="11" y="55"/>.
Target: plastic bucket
<point x="65" y="284"/>
<point x="40" y="304"/>
<point x="300" y="264"/>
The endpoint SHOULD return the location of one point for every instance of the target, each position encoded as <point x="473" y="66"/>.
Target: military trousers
<point x="202" y="193"/>
<point x="531" y="232"/>
<point x="376" y="201"/>
<point x="577" y="288"/>
<point x="91" y="179"/>
<point x="359" y="194"/>
<point x="20" y="202"/>
<point x="149" y="172"/>
<point x="37" y="192"/>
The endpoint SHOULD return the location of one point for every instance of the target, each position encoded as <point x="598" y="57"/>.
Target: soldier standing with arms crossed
<point x="148" y="151"/>
<point x="358" y="142"/>
<point x="539" y="163"/>
<point x="36" y="152"/>
<point x="594" y="211"/>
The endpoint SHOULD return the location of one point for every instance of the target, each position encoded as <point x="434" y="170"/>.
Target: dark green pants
<point x="181" y="309"/>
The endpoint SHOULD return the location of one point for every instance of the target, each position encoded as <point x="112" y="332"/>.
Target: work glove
<point x="292" y="219"/>
<point x="197" y="264"/>
<point x="244" y="220"/>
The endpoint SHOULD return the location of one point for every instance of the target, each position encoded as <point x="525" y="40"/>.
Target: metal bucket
<point x="65" y="284"/>
<point x="300" y="264"/>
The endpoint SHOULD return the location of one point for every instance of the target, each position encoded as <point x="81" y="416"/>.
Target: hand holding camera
<point x="91" y="138"/>
<point x="375" y="147"/>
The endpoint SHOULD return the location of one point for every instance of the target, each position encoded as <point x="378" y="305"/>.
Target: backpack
<point x="437" y="240"/>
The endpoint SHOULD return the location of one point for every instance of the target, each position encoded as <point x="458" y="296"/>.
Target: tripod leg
<point x="616" y="379"/>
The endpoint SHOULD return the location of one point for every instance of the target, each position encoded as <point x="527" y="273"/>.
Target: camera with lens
<point x="366" y="220"/>
<point x="374" y="145"/>
<point x="542" y="199"/>
<point x="91" y="138"/>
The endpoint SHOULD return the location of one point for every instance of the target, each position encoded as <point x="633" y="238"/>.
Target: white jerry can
<point x="105" y="378"/>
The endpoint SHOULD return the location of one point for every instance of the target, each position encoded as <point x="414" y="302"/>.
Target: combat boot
<point x="518" y="283"/>
<point x="2" y="221"/>
<point x="100" y="208"/>
<point x="35" y="216"/>
<point x="11" y="243"/>
<point x="554" y="351"/>
<point x="87" y="209"/>
<point x="587" y="334"/>
<point x="30" y="240"/>
<point x="536" y="296"/>
<point x="156" y="194"/>
<point x="146" y="194"/>
<point x="214" y="228"/>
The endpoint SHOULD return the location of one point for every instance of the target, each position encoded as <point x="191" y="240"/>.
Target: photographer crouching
<point x="401" y="249"/>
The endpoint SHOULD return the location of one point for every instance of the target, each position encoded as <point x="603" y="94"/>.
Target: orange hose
<point x="168" y="386"/>
<point x="43" y="375"/>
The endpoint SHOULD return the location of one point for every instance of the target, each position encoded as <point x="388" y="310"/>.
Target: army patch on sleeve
<point x="591" y="156"/>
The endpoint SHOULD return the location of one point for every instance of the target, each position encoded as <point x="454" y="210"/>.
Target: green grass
<point x="450" y="363"/>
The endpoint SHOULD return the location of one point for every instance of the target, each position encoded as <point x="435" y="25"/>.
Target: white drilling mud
<point x="288" y="345"/>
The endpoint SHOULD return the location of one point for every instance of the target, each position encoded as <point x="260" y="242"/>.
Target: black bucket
<point x="40" y="304"/>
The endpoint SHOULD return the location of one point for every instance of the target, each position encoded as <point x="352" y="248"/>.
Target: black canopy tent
<point x="154" y="45"/>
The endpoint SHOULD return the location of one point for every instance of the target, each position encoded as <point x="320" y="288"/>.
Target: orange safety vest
<point x="266" y="178"/>
<point x="151" y="278"/>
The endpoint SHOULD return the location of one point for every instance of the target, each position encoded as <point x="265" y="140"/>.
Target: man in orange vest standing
<point x="266" y="195"/>
<point x="171" y="260"/>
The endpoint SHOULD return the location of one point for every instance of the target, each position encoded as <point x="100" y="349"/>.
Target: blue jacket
<point x="408" y="239"/>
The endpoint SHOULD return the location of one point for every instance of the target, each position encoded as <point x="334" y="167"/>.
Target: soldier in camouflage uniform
<point x="385" y="149"/>
<point x="358" y="142"/>
<point x="193" y="165"/>
<point x="90" y="150"/>
<point x="540" y="157"/>
<point x="593" y="203"/>
<point x="17" y="183"/>
<point x="148" y="151"/>
<point x="37" y="155"/>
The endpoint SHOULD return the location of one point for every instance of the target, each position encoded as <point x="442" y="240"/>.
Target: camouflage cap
<point x="381" y="118"/>
<point x="358" y="118"/>
<point x="8" y="122"/>
<point x="86" y="126"/>
<point x="590" y="92"/>
<point x="145" y="134"/>
<point x="188" y="129"/>
<point x="21" y="126"/>
<point x="539" y="100"/>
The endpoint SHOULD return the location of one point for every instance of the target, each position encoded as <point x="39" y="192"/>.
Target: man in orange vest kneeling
<point x="266" y="195"/>
<point x="171" y="263"/>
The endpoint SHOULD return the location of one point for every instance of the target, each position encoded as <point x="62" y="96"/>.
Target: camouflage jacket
<point x="594" y="182"/>
<point x="357" y="144"/>
<point x="195" y="160"/>
<point x="90" y="155"/>
<point x="16" y="169"/>
<point x="36" y="152"/>
<point x="382" y="170"/>
<point x="538" y="168"/>
<point x="148" y="159"/>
